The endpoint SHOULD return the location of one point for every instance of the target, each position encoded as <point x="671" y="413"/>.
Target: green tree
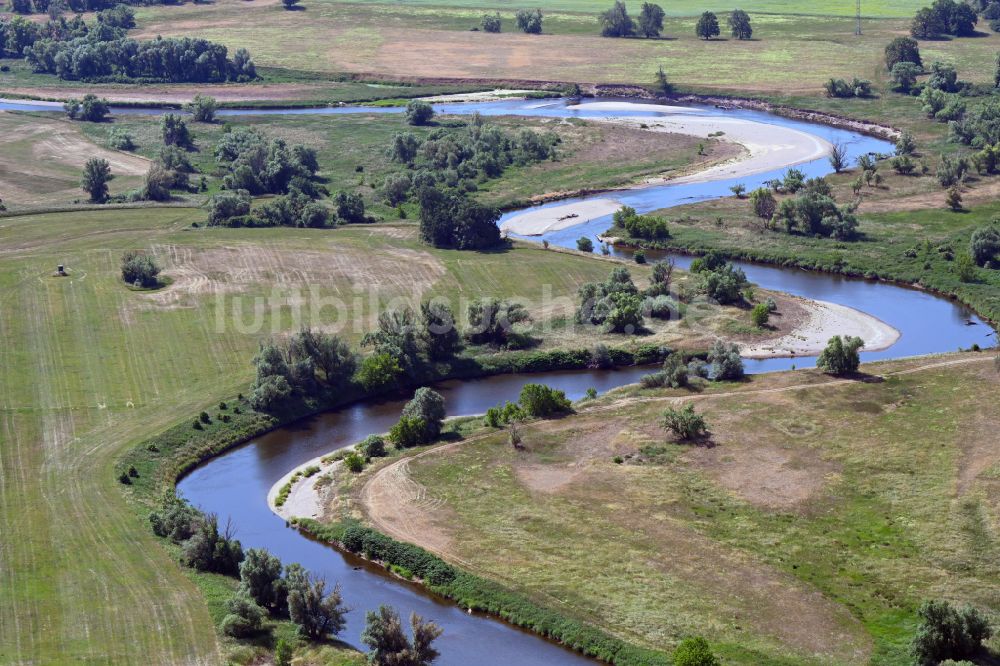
<point x="174" y="130"/>
<point x="651" y="20"/>
<point x="906" y="144"/>
<point x="694" y="652"/>
<point x="529" y="21"/>
<point x="428" y="406"/>
<point x="378" y="372"/>
<point x="438" y="331"/>
<point x="202" y="108"/>
<point x="260" y="577"/>
<point x="319" y="615"/>
<point x="739" y="24"/>
<point x="492" y="322"/>
<point x="490" y="22"/>
<point x="404" y="147"/>
<point x="841" y="355"/>
<point x="584" y="244"/>
<point x="419" y="112"/>
<point x="763" y="202"/>
<point x="902" y="49"/>
<point x="93" y="110"/>
<point x="926" y="25"/>
<point x="157" y="183"/>
<point x="954" y="199"/>
<point x="290" y="4"/>
<point x="965" y="267"/>
<point x="684" y="423"/>
<point x="616" y="22"/>
<point x="707" y="26"/>
<point x="139" y="268"/>
<point x="946" y="632"/>
<point x="224" y="206"/>
<point x="373" y="446"/>
<point x="389" y="644"/>
<point x="984" y="247"/>
<point x="904" y="76"/>
<point x="96" y="176"/>
<point x="727" y="364"/>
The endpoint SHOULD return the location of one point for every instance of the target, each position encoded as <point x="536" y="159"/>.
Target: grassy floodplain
<point x="840" y="503"/>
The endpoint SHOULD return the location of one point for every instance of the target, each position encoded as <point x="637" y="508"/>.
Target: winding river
<point x="236" y="484"/>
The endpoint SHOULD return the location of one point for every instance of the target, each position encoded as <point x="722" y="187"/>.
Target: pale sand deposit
<point x="825" y="320"/>
<point x="537" y="221"/>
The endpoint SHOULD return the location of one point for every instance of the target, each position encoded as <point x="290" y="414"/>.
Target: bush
<point x="373" y="446"/>
<point x="120" y="139"/>
<point x="660" y="307"/>
<point x="202" y="108"/>
<point x="841" y="355"/>
<point x="948" y="633"/>
<point x="529" y="21"/>
<point x="760" y="315"/>
<point x="245" y="617"/>
<point x="419" y="112"/>
<point x="584" y="244"/>
<point x="407" y="432"/>
<point x="354" y="462"/>
<point x="538" y="400"/>
<point x="726" y="361"/>
<point x="490" y="22"/>
<point x="138" y="268"/>
<point x="694" y="652"/>
<point x="684" y="423"/>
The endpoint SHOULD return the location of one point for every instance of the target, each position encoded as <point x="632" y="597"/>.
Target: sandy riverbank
<point x="823" y="321"/>
<point x="305" y="500"/>
<point x="769" y="147"/>
<point x="537" y="221"/>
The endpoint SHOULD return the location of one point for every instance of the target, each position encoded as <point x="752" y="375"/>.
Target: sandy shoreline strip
<point x="537" y="221"/>
<point x="825" y="321"/>
<point x="769" y="147"/>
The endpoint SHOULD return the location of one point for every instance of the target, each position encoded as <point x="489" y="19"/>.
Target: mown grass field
<point x="809" y="530"/>
<point x="90" y="368"/>
<point x="789" y="52"/>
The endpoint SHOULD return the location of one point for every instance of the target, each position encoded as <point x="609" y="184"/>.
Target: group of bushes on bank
<point x="535" y="401"/>
<point x="724" y="364"/>
<point x="646" y="227"/>
<point x="617" y="306"/>
<point x="457" y="159"/>
<point x="269" y="590"/>
<point x="719" y="279"/>
<point x="813" y="211"/>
